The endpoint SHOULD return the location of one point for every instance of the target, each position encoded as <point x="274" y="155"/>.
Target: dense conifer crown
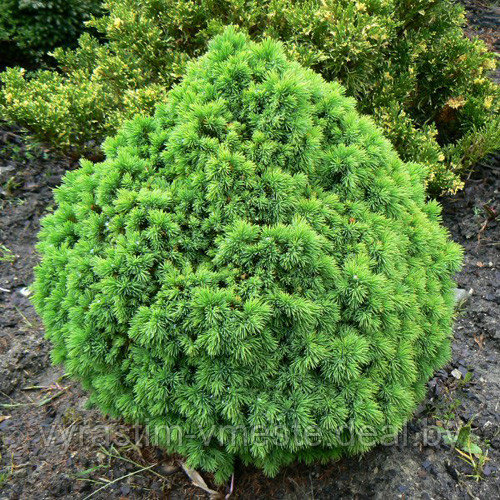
<point x="254" y="264"/>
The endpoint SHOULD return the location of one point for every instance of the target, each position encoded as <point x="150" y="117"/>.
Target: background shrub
<point x="407" y="62"/>
<point x="31" y="28"/>
<point x="255" y="257"/>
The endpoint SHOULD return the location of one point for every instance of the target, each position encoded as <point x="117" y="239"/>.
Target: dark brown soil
<point x="484" y="21"/>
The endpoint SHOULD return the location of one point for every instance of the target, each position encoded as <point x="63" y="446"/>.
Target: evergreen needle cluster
<point x="253" y="272"/>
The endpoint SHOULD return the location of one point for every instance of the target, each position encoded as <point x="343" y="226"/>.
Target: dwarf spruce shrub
<point x="407" y="63"/>
<point x="253" y="272"/>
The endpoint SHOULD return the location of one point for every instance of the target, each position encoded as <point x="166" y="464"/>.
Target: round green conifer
<point x="251" y="273"/>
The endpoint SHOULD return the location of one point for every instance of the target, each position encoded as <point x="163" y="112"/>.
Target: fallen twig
<point x="119" y="479"/>
<point x="125" y="459"/>
<point x="491" y="215"/>
<point x="230" y="488"/>
<point x="198" y="481"/>
<point x="35" y="403"/>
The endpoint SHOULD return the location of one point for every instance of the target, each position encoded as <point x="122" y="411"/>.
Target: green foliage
<point x="254" y="264"/>
<point x="31" y="28"/>
<point x="407" y="62"/>
<point x="6" y="255"/>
